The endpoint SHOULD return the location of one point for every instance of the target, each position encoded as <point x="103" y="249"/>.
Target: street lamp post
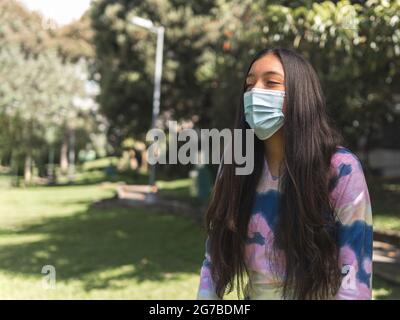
<point x="159" y="31"/>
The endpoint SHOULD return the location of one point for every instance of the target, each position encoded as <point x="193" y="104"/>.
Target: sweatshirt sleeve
<point x="206" y="290"/>
<point x="354" y="227"/>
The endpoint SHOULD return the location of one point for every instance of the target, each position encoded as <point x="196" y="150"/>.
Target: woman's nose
<point x="259" y="84"/>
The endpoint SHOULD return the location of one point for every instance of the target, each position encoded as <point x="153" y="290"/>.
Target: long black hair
<point x="305" y="229"/>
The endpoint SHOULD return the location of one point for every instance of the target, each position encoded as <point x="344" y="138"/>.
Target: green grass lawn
<point x="101" y="253"/>
<point x="117" y="253"/>
<point x="385" y="200"/>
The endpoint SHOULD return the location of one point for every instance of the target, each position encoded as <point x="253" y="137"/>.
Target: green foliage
<point x="33" y="33"/>
<point x="354" y="48"/>
<point x="125" y="61"/>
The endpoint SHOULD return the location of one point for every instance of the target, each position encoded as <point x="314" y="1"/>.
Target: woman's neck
<point x="273" y="151"/>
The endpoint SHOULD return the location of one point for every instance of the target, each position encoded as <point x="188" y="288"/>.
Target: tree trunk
<point x="50" y="166"/>
<point x="144" y="164"/>
<point x="14" y="170"/>
<point x="28" y="169"/>
<point x="64" y="155"/>
<point x="71" y="155"/>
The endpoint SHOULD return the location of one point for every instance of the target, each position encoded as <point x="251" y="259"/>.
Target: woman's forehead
<point x="268" y="64"/>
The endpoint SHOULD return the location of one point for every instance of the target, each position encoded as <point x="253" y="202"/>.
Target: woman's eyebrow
<point x="266" y="73"/>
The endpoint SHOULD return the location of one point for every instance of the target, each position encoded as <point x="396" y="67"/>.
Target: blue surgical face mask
<point x="263" y="111"/>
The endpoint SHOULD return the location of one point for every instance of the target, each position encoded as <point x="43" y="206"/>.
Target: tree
<point x="353" y="45"/>
<point x="37" y="99"/>
<point x="43" y="89"/>
<point x="124" y="61"/>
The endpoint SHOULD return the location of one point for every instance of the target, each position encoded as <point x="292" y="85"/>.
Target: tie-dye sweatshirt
<point x="350" y="198"/>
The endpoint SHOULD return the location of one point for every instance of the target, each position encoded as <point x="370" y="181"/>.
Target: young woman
<point x="300" y="225"/>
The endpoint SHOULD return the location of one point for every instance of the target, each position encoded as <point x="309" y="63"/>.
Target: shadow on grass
<point x="143" y="244"/>
<point x="85" y="178"/>
<point x="92" y="179"/>
<point x="385" y="290"/>
<point x="385" y="194"/>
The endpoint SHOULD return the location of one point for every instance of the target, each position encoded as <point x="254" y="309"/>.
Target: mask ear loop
<point x="244" y="123"/>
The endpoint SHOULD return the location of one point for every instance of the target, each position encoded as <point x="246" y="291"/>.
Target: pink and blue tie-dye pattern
<point x="353" y="208"/>
<point x="351" y="202"/>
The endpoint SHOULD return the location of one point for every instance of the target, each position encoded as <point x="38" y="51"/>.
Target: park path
<point x="386" y="261"/>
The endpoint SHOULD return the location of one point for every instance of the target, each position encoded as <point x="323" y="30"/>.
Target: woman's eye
<point x="272" y="83"/>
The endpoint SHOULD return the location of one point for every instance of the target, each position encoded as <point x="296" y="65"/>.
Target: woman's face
<point x="266" y="73"/>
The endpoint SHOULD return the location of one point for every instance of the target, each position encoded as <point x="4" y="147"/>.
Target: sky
<point x="62" y="11"/>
